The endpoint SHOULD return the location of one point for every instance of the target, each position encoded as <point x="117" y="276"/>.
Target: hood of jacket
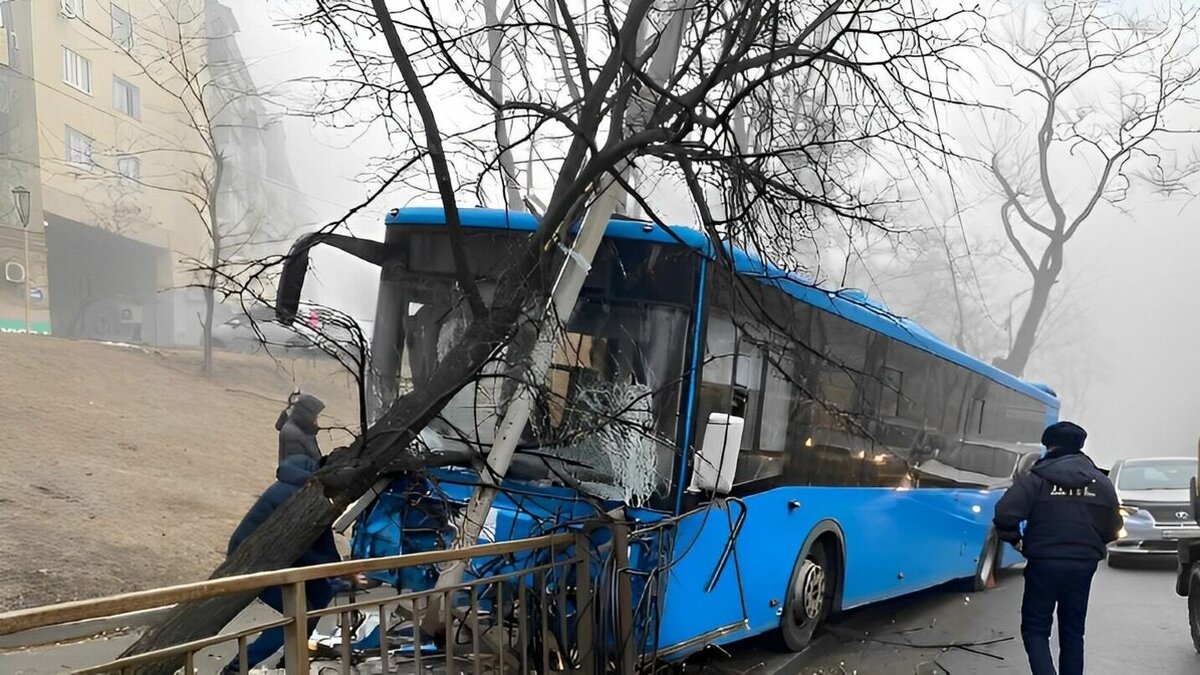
<point x="1069" y="470"/>
<point x="295" y="470"/>
<point x="303" y="413"/>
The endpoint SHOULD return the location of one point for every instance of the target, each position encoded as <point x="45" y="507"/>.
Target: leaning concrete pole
<point x="564" y="294"/>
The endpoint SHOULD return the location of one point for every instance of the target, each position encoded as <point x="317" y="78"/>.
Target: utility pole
<point x="21" y="199"/>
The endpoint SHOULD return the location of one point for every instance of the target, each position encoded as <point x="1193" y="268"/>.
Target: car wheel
<point x="989" y="560"/>
<point x="809" y="598"/>
<point x="1194" y="605"/>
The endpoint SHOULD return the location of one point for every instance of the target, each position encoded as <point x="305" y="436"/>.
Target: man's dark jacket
<point x="1070" y="507"/>
<point x="291" y="475"/>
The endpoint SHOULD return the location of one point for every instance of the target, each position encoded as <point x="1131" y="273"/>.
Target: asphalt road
<point x="1136" y="625"/>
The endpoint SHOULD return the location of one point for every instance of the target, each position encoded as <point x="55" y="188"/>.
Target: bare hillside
<point x="125" y="468"/>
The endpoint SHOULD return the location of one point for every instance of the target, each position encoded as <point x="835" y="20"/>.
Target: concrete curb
<point x="81" y="630"/>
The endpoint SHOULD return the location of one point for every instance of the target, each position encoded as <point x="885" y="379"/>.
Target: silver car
<point x="250" y="332"/>
<point x="1155" y="504"/>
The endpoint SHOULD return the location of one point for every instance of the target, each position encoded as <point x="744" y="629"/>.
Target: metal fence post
<point x="295" y="634"/>
<point x="625" y="636"/>
<point x="585" y="608"/>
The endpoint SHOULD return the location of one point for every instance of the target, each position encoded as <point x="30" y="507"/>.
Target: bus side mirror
<point x="717" y="458"/>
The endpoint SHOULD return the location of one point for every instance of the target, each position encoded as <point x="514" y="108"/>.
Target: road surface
<point x="1136" y="625"/>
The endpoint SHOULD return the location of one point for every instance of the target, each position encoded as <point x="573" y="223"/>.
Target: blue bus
<point x="782" y="451"/>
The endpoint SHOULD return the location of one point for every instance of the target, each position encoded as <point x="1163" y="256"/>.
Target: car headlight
<point x="1127" y="511"/>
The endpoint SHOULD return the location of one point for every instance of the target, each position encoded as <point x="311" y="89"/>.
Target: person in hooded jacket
<point x="292" y="473"/>
<point x="297" y="426"/>
<point x="1070" y="513"/>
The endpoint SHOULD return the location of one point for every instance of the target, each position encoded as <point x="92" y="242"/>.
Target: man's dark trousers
<point x="1065" y="584"/>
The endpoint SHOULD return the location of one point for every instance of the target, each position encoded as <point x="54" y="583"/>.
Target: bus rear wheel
<point x="810" y="596"/>
<point x="989" y="561"/>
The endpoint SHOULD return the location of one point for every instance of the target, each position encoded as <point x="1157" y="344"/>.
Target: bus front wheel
<point x="810" y="596"/>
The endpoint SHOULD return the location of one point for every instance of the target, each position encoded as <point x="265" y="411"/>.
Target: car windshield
<point x="1157" y="474"/>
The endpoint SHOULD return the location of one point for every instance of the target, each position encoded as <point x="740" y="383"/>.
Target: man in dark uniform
<point x="1069" y="508"/>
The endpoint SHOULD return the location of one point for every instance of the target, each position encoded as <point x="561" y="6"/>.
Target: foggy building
<point x="95" y="121"/>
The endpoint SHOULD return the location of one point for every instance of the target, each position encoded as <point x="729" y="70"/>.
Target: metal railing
<point x="486" y="626"/>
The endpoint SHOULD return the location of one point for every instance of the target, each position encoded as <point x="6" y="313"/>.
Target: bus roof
<point x="851" y="304"/>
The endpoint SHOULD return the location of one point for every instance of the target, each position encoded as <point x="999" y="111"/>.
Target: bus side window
<point x="891" y="386"/>
<point x="975" y="419"/>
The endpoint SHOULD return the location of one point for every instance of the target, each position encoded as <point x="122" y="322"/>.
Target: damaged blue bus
<point x="781" y="451"/>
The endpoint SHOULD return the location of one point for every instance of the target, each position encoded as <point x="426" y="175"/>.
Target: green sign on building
<point x="18" y="326"/>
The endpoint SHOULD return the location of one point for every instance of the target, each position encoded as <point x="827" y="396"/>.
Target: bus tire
<point x="989" y="562"/>
<point x="809" y="597"/>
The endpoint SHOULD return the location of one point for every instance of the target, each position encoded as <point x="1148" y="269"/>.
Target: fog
<point x="1120" y="355"/>
<point x="136" y="317"/>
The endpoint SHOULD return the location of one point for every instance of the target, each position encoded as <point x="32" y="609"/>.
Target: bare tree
<point x="171" y="49"/>
<point x="589" y="82"/>
<point x="1109" y="90"/>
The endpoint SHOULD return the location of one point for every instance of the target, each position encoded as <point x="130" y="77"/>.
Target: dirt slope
<point x="123" y="468"/>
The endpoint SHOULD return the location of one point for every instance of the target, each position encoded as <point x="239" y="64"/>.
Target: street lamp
<point x="21" y="199"/>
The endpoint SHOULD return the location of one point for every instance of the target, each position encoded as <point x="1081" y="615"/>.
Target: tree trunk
<point x="1023" y="344"/>
<point x="206" y="325"/>
<point x="348" y="474"/>
<point x="214" y="192"/>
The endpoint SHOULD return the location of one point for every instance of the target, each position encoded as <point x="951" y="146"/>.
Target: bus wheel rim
<point x="811" y="591"/>
<point x="989" y="562"/>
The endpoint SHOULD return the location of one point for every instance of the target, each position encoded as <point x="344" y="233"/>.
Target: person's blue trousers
<point x="1050" y="585"/>
<point x="318" y="593"/>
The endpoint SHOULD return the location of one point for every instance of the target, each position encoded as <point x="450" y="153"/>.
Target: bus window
<point x="948" y="385"/>
<point x="732" y="377"/>
<point x="778" y="394"/>
<point x="765" y="458"/>
<point x="980" y="459"/>
<point x="891" y="385"/>
<point x="914" y="366"/>
<point x="975" y="418"/>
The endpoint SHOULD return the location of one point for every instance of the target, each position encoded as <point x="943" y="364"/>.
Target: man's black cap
<point x="1064" y="435"/>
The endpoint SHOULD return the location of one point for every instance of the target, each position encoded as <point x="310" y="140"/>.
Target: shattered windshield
<point x="605" y="416"/>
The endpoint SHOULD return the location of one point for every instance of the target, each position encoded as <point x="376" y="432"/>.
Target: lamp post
<point x="21" y="199"/>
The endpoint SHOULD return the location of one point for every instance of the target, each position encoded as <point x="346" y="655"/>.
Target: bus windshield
<point x="605" y="419"/>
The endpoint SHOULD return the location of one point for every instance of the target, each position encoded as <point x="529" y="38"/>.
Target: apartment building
<point x="106" y="116"/>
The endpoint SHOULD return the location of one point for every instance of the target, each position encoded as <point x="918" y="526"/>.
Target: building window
<point x="71" y="8"/>
<point x="77" y="71"/>
<point x="79" y="149"/>
<point x="122" y="28"/>
<point x="127" y="98"/>
<point x="129" y="168"/>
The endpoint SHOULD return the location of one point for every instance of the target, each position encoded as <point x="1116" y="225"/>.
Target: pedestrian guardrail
<point x="525" y="608"/>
